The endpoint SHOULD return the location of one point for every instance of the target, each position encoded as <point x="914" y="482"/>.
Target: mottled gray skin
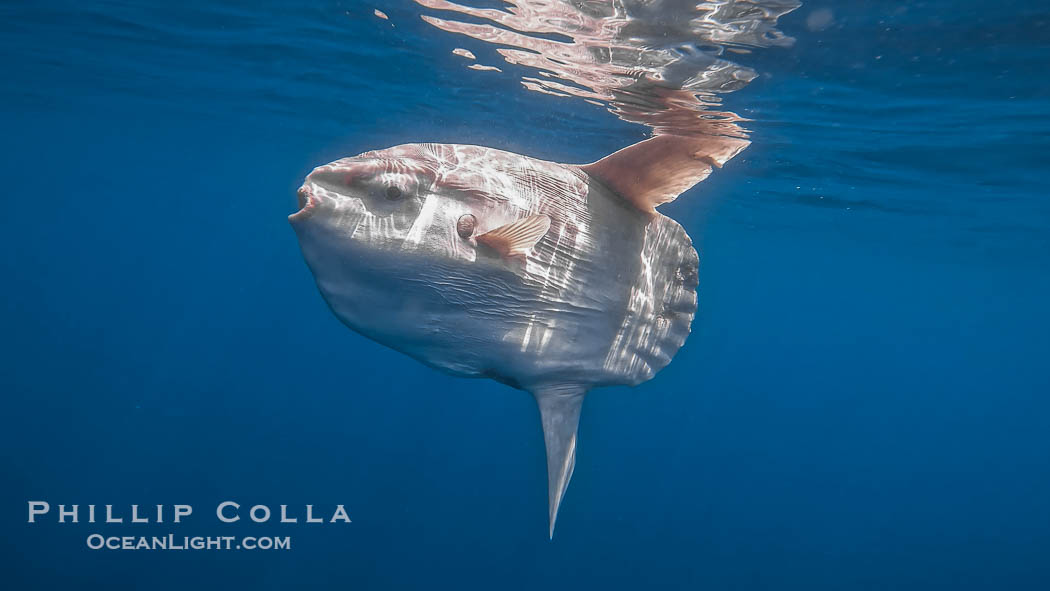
<point x="605" y="297"/>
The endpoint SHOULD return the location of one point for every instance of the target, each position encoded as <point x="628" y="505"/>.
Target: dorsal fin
<point x="661" y="168"/>
<point x="515" y="238"/>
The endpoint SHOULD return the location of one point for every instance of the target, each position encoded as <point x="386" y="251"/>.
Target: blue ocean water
<point x="863" y="402"/>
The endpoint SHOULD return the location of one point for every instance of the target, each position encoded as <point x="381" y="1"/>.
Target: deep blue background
<point x="863" y="402"/>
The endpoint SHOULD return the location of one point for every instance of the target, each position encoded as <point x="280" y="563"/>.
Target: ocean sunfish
<point x="551" y="278"/>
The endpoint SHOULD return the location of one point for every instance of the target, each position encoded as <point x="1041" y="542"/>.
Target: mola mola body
<point x="552" y="278"/>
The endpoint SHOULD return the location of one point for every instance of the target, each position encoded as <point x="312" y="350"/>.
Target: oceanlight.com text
<point x="173" y="542"/>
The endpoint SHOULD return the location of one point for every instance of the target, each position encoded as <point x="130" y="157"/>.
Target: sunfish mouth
<point x="307" y="202"/>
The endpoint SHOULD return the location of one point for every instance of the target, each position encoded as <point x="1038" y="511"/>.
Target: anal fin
<point x="560" y="415"/>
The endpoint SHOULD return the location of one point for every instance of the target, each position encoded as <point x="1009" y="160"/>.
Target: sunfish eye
<point x="465" y="225"/>
<point x="393" y="193"/>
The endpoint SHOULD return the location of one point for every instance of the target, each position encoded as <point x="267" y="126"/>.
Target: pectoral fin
<point x="514" y="239"/>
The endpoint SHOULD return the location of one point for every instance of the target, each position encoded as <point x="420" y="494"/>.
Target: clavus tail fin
<point x="560" y="414"/>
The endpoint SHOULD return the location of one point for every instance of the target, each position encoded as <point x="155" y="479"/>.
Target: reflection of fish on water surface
<point x="552" y="278"/>
<point x="659" y="63"/>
